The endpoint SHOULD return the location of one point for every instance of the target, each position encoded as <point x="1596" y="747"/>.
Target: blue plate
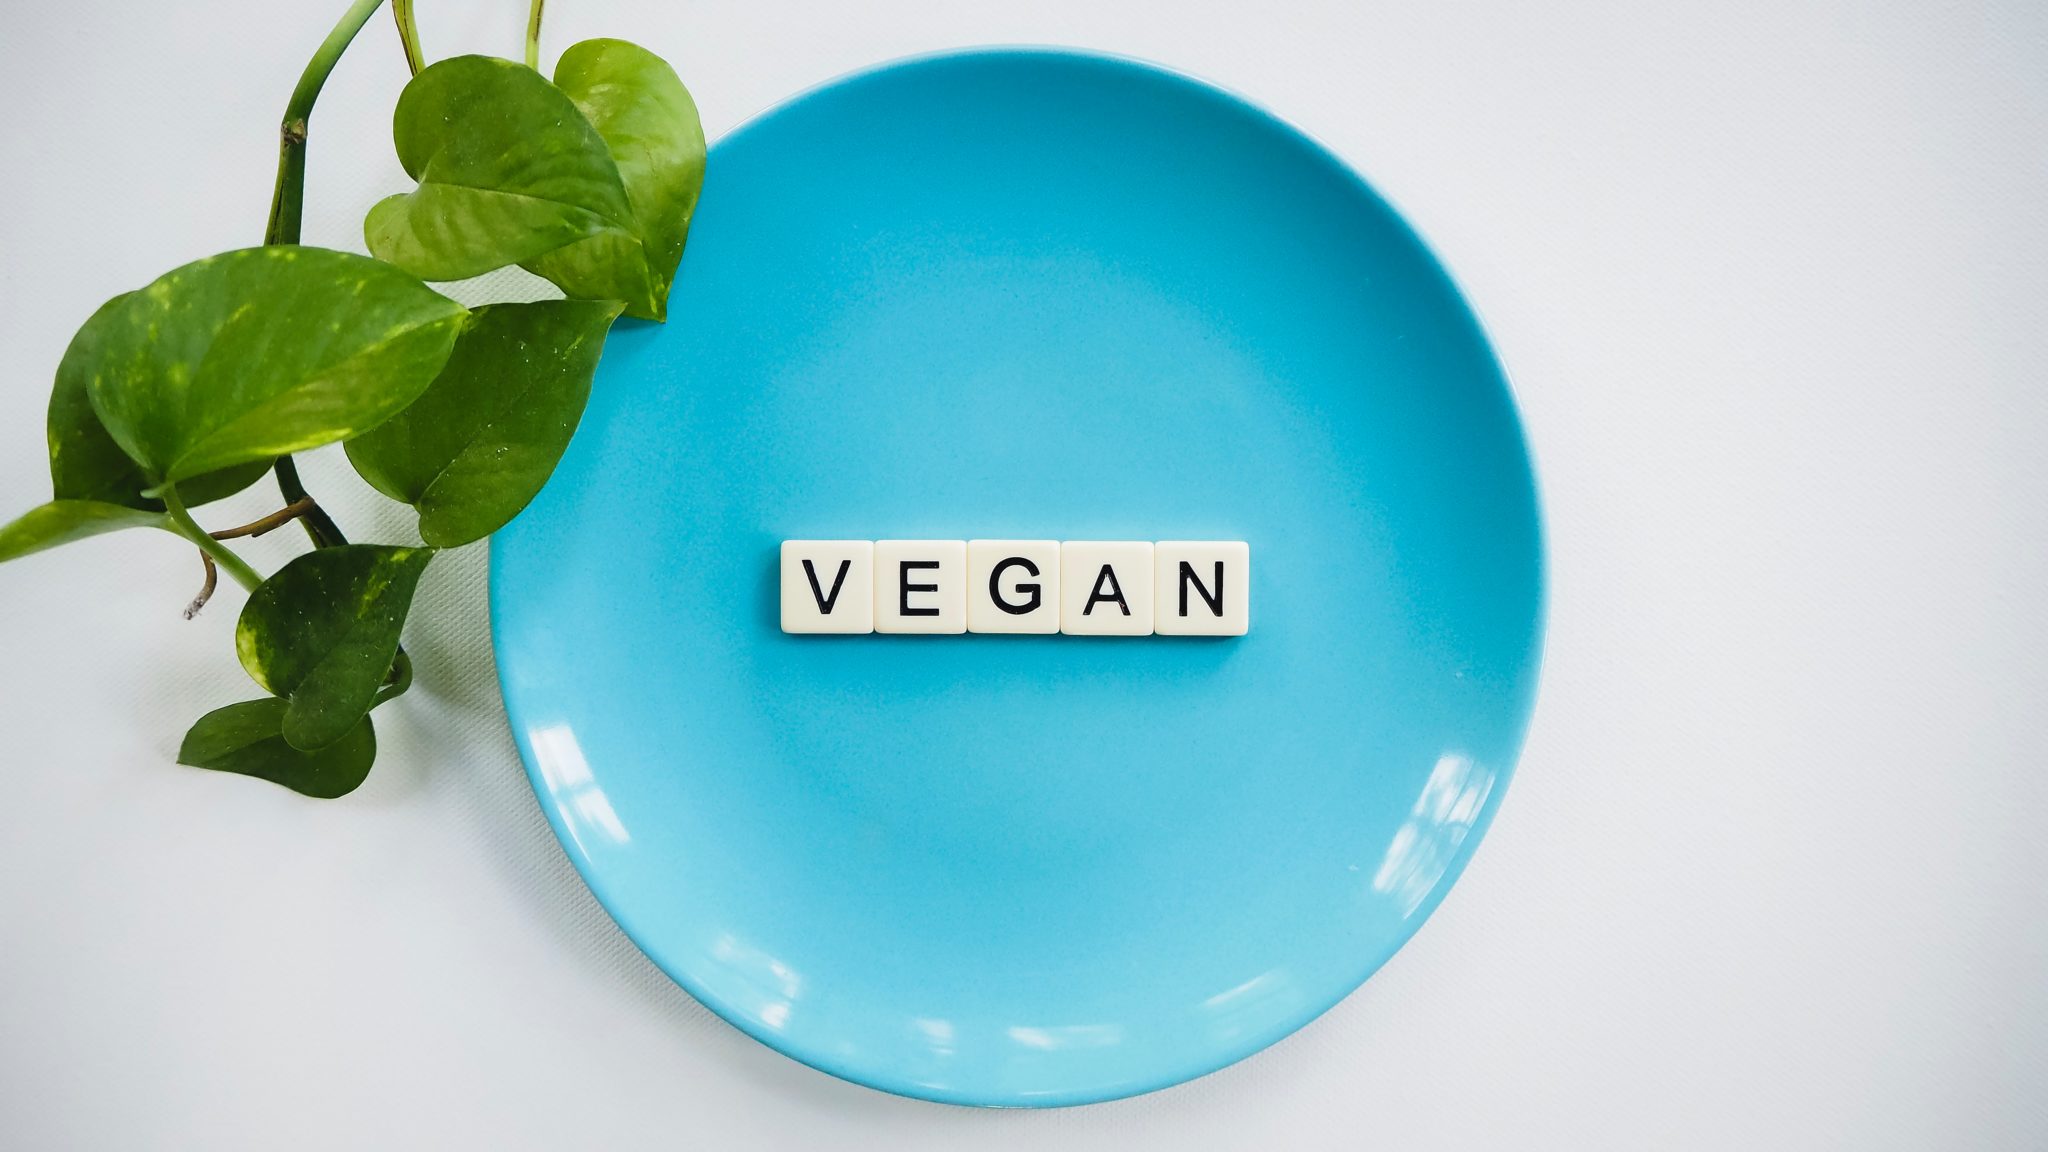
<point x="1030" y="294"/>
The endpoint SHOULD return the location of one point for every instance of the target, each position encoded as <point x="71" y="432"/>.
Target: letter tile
<point x="1202" y="587"/>
<point x="921" y="586"/>
<point x="1013" y="586"/>
<point x="828" y="586"/>
<point x="1106" y="588"/>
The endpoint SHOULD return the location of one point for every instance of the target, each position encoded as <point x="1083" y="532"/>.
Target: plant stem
<point x="277" y="519"/>
<point x="287" y="201"/>
<point x="320" y="527"/>
<point x="288" y="207"/>
<point x="206" y="589"/>
<point x="399" y="680"/>
<point x="533" y="36"/>
<point x="183" y="524"/>
<point x="408" y="35"/>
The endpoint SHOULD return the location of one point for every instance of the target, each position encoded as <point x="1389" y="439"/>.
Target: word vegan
<point x="1078" y="588"/>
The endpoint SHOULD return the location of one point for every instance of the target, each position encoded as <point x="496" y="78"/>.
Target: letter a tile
<point x="1106" y="588"/>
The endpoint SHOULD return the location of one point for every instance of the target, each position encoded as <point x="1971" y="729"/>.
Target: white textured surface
<point x="1772" y="280"/>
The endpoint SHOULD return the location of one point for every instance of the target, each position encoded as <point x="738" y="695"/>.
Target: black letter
<point x="1187" y="577"/>
<point x="1097" y="596"/>
<point x="825" y="602"/>
<point x="995" y="588"/>
<point x="903" y="597"/>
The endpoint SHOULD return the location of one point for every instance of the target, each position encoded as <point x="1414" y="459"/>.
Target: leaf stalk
<point x="408" y="35"/>
<point x="183" y="524"/>
<point x="397" y="682"/>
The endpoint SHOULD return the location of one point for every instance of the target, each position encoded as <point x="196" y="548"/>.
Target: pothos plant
<point x="191" y="388"/>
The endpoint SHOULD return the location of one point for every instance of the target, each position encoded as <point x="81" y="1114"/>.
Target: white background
<point x="1772" y="281"/>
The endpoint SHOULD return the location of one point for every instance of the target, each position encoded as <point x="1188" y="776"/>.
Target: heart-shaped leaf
<point x="322" y="633"/>
<point x="62" y="521"/>
<point x="97" y="488"/>
<point x="86" y="464"/>
<point x="650" y="128"/>
<point x="478" y="444"/>
<point x="507" y="169"/>
<point x="255" y="353"/>
<point x="247" y="738"/>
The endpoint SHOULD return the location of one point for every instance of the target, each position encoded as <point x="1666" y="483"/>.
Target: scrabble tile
<point x="1106" y="588"/>
<point x="1202" y="587"/>
<point x="828" y="586"/>
<point x="1013" y="586"/>
<point x="921" y="586"/>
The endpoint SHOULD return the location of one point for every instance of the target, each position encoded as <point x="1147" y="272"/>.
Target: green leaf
<point x="247" y="738"/>
<point x="323" y="631"/>
<point x="97" y="488"/>
<point x="476" y="447"/>
<point x="507" y="169"/>
<point x="650" y="127"/>
<point x="62" y="521"/>
<point x="255" y="353"/>
<point x="86" y="464"/>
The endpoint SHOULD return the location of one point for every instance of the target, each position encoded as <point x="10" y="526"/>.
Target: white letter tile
<point x="1106" y="588"/>
<point x="921" y="586"/>
<point x="828" y="586"/>
<point x="1202" y="587"/>
<point x="1013" y="586"/>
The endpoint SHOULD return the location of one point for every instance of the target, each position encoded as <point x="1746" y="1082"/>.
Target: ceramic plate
<point x="1034" y="295"/>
